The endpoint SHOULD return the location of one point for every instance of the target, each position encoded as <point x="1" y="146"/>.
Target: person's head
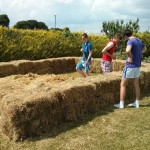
<point x="84" y="37"/>
<point x="117" y="38"/>
<point x="127" y="33"/>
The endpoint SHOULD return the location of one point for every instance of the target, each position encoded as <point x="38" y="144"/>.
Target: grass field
<point x="110" y="129"/>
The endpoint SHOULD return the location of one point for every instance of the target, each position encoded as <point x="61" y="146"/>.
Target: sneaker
<point x="135" y="104"/>
<point x="118" y="106"/>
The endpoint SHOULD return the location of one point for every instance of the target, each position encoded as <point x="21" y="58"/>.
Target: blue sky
<point x="78" y="15"/>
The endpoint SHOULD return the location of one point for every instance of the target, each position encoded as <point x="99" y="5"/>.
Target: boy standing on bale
<point x="132" y="68"/>
<point x="83" y="66"/>
<point x="108" y="54"/>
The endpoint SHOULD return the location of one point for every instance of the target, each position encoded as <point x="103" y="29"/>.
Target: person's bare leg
<point x="123" y="85"/>
<point x="137" y="93"/>
<point x="137" y="88"/>
<point x="81" y="72"/>
<point x="87" y="74"/>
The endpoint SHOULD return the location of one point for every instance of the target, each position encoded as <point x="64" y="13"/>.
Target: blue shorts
<point x="81" y="66"/>
<point x="131" y="73"/>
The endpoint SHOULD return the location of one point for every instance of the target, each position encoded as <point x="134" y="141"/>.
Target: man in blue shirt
<point x="83" y="66"/>
<point x="132" y="68"/>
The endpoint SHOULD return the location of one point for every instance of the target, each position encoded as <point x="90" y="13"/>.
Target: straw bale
<point x="145" y="80"/>
<point x="96" y="66"/>
<point x="58" y="70"/>
<point x="42" y="67"/>
<point x="118" y="65"/>
<point x="7" y="69"/>
<point x="25" y="67"/>
<point x="31" y="118"/>
<point x="60" y="62"/>
<point x="71" y="65"/>
<point x="59" y="66"/>
<point x="77" y="59"/>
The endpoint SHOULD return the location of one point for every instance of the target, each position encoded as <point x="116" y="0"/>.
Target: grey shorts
<point x="131" y="73"/>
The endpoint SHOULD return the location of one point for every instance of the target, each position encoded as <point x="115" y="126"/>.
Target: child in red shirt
<point x="108" y="54"/>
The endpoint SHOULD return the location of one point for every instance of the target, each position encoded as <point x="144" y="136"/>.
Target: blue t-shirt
<point x="87" y="47"/>
<point x="136" y="52"/>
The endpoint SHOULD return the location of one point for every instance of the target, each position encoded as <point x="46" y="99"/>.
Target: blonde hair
<point x="118" y="36"/>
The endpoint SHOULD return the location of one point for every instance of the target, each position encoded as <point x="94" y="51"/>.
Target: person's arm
<point x="128" y="52"/>
<point x="90" y="55"/>
<point x="108" y="47"/>
<point x="90" y="52"/>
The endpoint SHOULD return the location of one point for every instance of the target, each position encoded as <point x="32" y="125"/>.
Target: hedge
<point x="39" y="44"/>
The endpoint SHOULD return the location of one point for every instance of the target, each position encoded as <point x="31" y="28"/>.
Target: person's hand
<point x="113" y="56"/>
<point x="86" y="63"/>
<point x="130" y="60"/>
<point x="81" y="50"/>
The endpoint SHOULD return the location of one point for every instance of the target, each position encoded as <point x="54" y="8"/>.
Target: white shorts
<point x="131" y="73"/>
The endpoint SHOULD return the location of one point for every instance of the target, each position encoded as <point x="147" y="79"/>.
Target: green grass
<point x="110" y="129"/>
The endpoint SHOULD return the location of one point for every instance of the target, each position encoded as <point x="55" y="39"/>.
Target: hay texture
<point x="96" y="64"/>
<point x="36" y="104"/>
<point x="51" y="66"/>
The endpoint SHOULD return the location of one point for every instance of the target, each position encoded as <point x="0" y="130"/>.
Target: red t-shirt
<point x="105" y="57"/>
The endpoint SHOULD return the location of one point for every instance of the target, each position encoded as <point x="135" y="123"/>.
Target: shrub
<point x="39" y="44"/>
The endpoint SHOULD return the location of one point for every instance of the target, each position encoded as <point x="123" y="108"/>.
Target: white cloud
<point x="65" y="1"/>
<point x="76" y="14"/>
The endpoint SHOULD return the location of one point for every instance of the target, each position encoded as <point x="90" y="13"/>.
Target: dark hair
<point x="127" y="33"/>
<point x="85" y="35"/>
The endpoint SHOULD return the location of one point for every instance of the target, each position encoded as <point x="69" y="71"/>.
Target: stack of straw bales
<point x="54" y="65"/>
<point x="34" y="104"/>
<point x="37" y="104"/>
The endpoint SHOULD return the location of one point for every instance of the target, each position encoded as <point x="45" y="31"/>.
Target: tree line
<point x="108" y="27"/>
<point x="29" y="24"/>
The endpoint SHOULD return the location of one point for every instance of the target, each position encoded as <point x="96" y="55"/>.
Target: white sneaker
<point x="118" y="106"/>
<point x="135" y="104"/>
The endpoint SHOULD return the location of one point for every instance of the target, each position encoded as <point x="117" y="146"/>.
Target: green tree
<point x="4" y="20"/>
<point x="118" y="26"/>
<point x="112" y="27"/>
<point x="31" y="24"/>
<point x="42" y="25"/>
<point x="22" y="25"/>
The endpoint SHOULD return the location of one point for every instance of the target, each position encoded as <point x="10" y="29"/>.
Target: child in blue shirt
<point x="83" y="66"/>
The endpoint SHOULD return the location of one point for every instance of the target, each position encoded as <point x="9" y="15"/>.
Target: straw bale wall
<point x="50" y="66"/>
<point x="32" y="105"/>
<point x="24" y="114"/>
<point x="96" y="65"/>
<point x="53" y="65"/>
